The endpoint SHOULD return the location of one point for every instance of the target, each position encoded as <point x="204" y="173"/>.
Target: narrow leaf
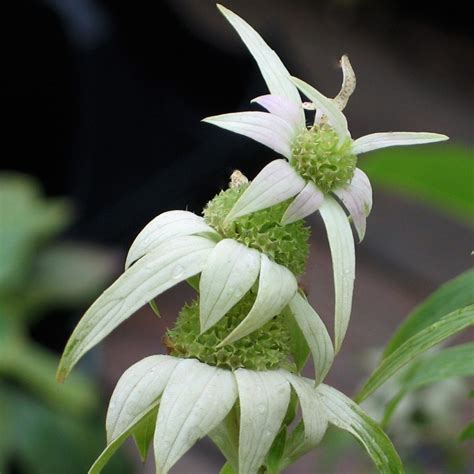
<point x="345" y="414"/>
<point x="456" y="293"/>
<point x="143" y="434"/>
<point x="284" y="108"/>
<point x="341" y="243"/>
<point x="168" y="265"/>
<point x="111" y="448"/>
<point x="314" y="415"/>
<point x="138" y="388"/>
<point x="165" y="227"/>
<point x="375" y="141"/>
<point x="357" y="199"/>
<point x="305" y="203"/>
<point x="449" y="325"/>
<point x="276" y="287"/>
<point x="229" y="272"/>
<point x="457" y="361"/>
<point x="264" y="398"/>
<point x="197" y="398"/>
<point x="468" y="432"/>
<point x="316" y="334"/>
<point x="298" y="345"/>
<point x="328" y="106"/>
<point x="273" y="71"/>
<point x="267" y="129"/>
<point x="275" y="183"/>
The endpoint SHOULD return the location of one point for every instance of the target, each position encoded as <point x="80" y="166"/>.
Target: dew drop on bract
<point x="177" y="272"/>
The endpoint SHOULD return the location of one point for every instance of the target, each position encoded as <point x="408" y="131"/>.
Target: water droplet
<point x="261" y="408"/>
<point x="177" y="272"/>
<point x="268" y="433"/>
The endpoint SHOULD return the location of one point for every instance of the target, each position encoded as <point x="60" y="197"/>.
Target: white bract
<point x="193" y="399"/>
<point x="280" y="129"/>
<point x="178" y="245"/>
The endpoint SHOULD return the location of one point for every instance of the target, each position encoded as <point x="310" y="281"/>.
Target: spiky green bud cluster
<point x="318" y="156"/>
<point x="264" y="349"/>
<point x="285" y="244"/>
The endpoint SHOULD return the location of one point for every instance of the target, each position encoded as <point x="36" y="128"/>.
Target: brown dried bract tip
<point x="237" y="179"/>
<point x="348" y="83"/>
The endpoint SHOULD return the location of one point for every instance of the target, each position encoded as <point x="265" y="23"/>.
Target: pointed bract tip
<point x="61" y="375"/>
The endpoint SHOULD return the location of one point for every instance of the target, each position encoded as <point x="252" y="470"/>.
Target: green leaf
<point x="347" y="415"/>
<point x="227" y="469"/>
<point x="144" y="432"/>
<point x="468" y="432"/>
<point x="456" y="293"/>
<point x="34" y="368"/>
<point x="28" y="220"/>
<point x="439" y="175"/>
<point x="91" y="267"/>
<point x="154" y="307"/>
<point x="112" y="447"/>
<point x="449" y="325"/>
<point x="455" y="361"/>
<point x="298" y="346"/>
<point x="276" y="452"/>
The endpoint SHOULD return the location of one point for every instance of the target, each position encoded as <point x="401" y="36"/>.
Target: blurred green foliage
<point x="441" y="176"/>
<point x="45" y="428"/>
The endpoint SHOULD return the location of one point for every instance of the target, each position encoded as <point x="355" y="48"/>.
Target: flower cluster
<point x="236" y="351"/>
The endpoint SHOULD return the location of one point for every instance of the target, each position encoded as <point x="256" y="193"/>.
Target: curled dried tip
<point x="348" y="83"/>
<point x="237" y="179"/>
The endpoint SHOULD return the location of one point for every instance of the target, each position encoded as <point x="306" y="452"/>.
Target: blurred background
<point x="102" y="102"/>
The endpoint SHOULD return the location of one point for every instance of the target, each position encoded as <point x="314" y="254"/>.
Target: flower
<point x="178" y="245"/>
<point x="175" y="402"/>
<point x="320" y="160"/>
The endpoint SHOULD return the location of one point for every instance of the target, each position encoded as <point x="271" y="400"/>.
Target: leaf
<point x="456" y="293"/>
<point x="140" y="386"/>
<point x="229" y="272"/>
<point x="341" y="243"/>
<point x="457" y="361"/>
<point x="468" y="432"/>
<point x="309" y="200"/>
<point x="298" y="346"/>
<point x="168" y="265"/>
<point x="449" y="325"/>
<point x="328" y="107"/>
<point x="264" y="398"/>
<point x="314" y="417"/>
<point x="276" y="287"/>
<point x="226" y="437"/>
<point x="91" y="266"/>
<point x="440" y="176"/>
<point x="347" y="415"/>
<point x="273" y="70"/>
<point x="356" y="197"/>
<point x="144" y="432"/>
<point x="276" y="452"/>
<point x="275" y="183"/>
<point x="267" y="129"/>
<point x="34" y="368"/>
<point x="197" y="398"/>
<point x="227" y="469"/>
<point x="316" y="335"/>
<point x="28" y="221"/>
<point x="112" y="447"/>
<point x="165" y="227"/>
<point x="375" y="141"/>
